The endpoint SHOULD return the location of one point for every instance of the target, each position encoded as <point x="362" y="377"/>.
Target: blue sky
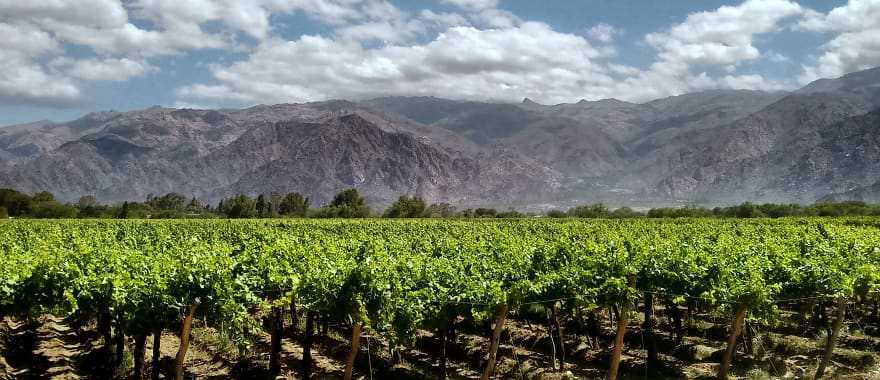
<point x="63" y="59"/>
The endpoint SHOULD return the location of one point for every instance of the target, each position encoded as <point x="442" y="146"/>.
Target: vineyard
<point x="685" y="298"/>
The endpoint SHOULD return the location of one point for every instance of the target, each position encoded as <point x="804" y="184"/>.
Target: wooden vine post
<point x="831" y="339"/>
<point x="275" y="343"/>
<point x="185" y="331"/>
<point x="119" y="344"/>
<point x="307" y="345"/>
<point x="500" y="319"/>
<point x="140" y="347"/>
<point x="554" y="312"/>
<point x="157" y="353"/>
<point x="622" y="322"/>
<point x="550" y="334"/>
<point x="735" y="331"/>
<point x="447" y="338"/>
<point x="648" y="328"/>
<point x="294" y="315"/>
<point x="355" y="347"/>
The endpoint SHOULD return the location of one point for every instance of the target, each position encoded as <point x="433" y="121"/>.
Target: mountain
<point x="863" y="194"/>
<point x="317" y="149"/>
<point x="712" y="147"/>
<point x="797" y="149"/>
<point x="865" y="84"/>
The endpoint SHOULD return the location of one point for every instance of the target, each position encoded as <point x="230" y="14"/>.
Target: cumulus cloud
<point x="496" y="18"/>
<point x="491" y="54"/>
<point x="505" y="64"/>
<point x="471" y="49"/>
<point x="720" y="38"/>
<point x="23" y="79"/>
<point x="442" y="20"/>
<point x="603" y="32"/>
<point x="110" y="69"/>
<point x="856" y="42"/>
<point x="124" y="34"/>
<point x="472" y="4"/>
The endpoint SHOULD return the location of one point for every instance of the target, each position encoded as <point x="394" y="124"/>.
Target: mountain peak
<point x="858" y="82"/>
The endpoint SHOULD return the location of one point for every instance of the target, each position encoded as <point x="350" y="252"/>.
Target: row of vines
<point x="393" y="278"/>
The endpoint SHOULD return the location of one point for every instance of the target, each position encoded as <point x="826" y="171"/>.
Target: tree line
<point x="350" y="204"/>
<point x="743" y="210"/>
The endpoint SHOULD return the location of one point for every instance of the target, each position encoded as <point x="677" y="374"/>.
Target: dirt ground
<point x="49" y="348"/>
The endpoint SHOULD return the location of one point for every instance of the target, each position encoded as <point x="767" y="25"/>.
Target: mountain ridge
<point x="713" y="147"/>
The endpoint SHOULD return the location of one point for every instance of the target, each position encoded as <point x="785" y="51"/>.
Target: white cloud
<point x="603" y="32"/>
<point x="442" y="20"/>
<point x="96" y="13"/>
<point x="372" y="48"/>
<point x="752" y="82"/>
<point x="721" y="38"/>
<point x="506" y="64"/>
<point x="496" y="18"/>
<point x="472" y="4"/>
<point x="856" y="44"/>
<point x="623" y="69"/>
<point x="111" y="69"/>
<point x="23" y="80"/>
<point x="776" y="57"/>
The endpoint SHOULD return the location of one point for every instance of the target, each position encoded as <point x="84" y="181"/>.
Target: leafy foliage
<point x="294" y="204"/>
<point x="407" y="207"/>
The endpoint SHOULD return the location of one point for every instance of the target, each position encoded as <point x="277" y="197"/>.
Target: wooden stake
<point x="831" y="339"/>
<point x="355" y="347"/>
<point x="731" y="340"/>
<point x="185" y="331"/>
<point x="140" y="348"/>
<point x="501" y="318"/>
<point x="622" y="322"/>
<point x="275" y="343"/>
<point x="157" y="353"/>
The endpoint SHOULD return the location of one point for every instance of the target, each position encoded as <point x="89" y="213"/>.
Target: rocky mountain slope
<point x="712" y="147"/>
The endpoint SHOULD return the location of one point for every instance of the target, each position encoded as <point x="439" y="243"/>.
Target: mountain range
<point x="821" y="142"/>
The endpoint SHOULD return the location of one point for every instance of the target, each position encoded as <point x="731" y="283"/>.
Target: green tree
<point x="485" y="212"/>
<point x="511" y="213"/>
<point x="294" y="204"/>
<point x="43" y="196"/>
<point x="124" y="211"/>
<point x="274" y="202"/>
<point x="53" y="210"/>
<point x="346" y="204"/>
<point x="441" y="210"/>
<point x="194" y="205"/>
<point x="597" y="210"/>
<point x="625" y="212"/>
<point x="263" y="206"/>
<point x="15" y="203"/>
<point x="241" y="206"/>
<point x="407" y="207"/>
<point x="556" y="214"/>
<point x="748" y="210"/>
<point x="170" y="201"/>
<point x="87" y="201"/>
<point x="3" y="213"/>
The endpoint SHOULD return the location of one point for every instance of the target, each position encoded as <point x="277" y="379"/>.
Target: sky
<point x="64" y="58"/>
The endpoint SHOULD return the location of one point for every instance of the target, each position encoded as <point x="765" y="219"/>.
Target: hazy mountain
<point x="317" y="149"/>
<point x="714" y="147"/>
<point x="863" y="194"/>
<point x="796" y="149"/>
